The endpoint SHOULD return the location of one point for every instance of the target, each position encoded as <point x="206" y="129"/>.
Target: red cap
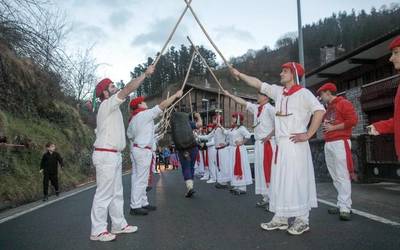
<point x="295" y="67"/>
<point x="135" y="102"/>
<point x="327" y="87"/>
<point x="395" y="43"/>
<point x="240" y="114"/>
<point x="102" y="85"/>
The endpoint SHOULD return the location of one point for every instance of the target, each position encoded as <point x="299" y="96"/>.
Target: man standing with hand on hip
<point x="110" y="141"/>
<point x="293" y="191"/>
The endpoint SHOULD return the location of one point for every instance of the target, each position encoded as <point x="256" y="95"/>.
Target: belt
<point x="221" y="147"/>
<point x="106" y="150"/>
<point x="146" y="147"/>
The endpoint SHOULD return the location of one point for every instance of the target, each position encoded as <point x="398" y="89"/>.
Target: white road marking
<point x="62" y="197"/>
<point x="18" y="214"/>
<point x="364" y="214"/>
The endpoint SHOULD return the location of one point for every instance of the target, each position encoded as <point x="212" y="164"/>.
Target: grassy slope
<point x="20" y="180"/>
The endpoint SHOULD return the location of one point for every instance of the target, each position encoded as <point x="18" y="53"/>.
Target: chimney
<point x="328" y="54"/>
<point x="206" y="84"/>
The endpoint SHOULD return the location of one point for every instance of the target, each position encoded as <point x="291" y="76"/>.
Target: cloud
<point x="89" y="33"/>
<point x="120" y="18"/>
<point x="231" y="32"/>
<point x="107" y="3"/>
<point x="159" y="32"/>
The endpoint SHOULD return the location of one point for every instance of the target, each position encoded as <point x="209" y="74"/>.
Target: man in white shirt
<point x="141" y="134"/>
<point x="293" y="191"/>
<point x="110" y="141"/>
<point x="264" y="123"/>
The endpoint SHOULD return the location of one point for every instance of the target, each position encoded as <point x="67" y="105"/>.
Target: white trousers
<point x="108" y="199"/>
<point x="246" y="178"/>
<point x="224" y="171"/>
<point x="212" y="164"/>
<point x="335" y="157"/>
<point x="293" y="192"/>
<point x="140" y="175"/>
<point x="206" y="158"/>
<point x="259" y="177"/>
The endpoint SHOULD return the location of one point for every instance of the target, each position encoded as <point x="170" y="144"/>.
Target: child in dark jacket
<point x="49" y="167"/>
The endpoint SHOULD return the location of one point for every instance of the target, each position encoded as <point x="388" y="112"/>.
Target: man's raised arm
<point x="135" y="83"/>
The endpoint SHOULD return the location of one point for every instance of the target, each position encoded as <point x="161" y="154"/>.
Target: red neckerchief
<point x="260" y="108"/>
<point x="135" y="112"/>
<point x="292" y="90"/>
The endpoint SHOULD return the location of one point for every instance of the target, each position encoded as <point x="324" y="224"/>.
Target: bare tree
<point x="35" y="30"/>
<point x="83" y="75"/>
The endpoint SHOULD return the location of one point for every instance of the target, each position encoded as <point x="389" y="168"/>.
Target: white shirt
<point x="301" y="105"/>
<point x="237" y="135"/>
<point x="141" y="128"/>
<point x="265" y="123"/>
<point x="110" y="131"/>
<point x="219" y="137"/>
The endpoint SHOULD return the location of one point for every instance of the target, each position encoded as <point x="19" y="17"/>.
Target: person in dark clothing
<point x="49" y="168"/>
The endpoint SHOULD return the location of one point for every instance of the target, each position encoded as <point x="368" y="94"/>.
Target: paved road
<point x="214" y="219"/>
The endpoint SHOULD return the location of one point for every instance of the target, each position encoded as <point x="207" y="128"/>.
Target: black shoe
<point x="138" y="211"/>
<point x="190" y="193"/>
<point x="45" y="198"/>
<point x="333" y="210"/>
<point x="220" y="186"/>
<point x="238" y="192"/>
<point x="262" y="204"/>
<point x="150" y="208"/>
<point x="57" y="193"/>
<point x="149" y="188"/>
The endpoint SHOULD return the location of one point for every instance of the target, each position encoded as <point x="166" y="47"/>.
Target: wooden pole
<point x="191" y="106"/>
<point x="205" y="32"/>
<point x="205" y="63"/>
<point x="172" y="33"/>
<point x="188" y="71"/>
<point x="190" y="90"/>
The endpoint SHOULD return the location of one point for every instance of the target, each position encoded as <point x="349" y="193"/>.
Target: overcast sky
<point x="126" y="32"/>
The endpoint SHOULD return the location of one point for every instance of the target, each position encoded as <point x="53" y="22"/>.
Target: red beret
<point x="102" y="85"/>
<point x="236" y="114"/>
<point x="135" y="102"/>
<point x="294" y="67"/>
<point x="395" y="43"/>
<point x="327" y="87"/>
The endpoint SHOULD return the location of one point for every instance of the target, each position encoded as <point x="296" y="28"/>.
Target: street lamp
<point x="206" y="101"/>
<point x="300" y="40"/>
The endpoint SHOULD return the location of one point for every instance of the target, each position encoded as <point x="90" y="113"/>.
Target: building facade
<point x="367" y="78"/>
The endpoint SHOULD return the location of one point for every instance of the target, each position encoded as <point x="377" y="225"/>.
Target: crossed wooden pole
<point x="164" y="123"/>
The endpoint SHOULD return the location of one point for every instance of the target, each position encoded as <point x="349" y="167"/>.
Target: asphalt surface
<point x="213" y="219"/>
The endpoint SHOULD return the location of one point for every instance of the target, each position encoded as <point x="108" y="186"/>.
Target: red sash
<point x="238" y="164"/>
<point x="349" y="160"/>
<point x="267" y="161"/>
<point x="205" y="157"/>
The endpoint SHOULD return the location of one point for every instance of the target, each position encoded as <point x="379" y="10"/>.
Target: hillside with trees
<point x="345" y="31"/>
